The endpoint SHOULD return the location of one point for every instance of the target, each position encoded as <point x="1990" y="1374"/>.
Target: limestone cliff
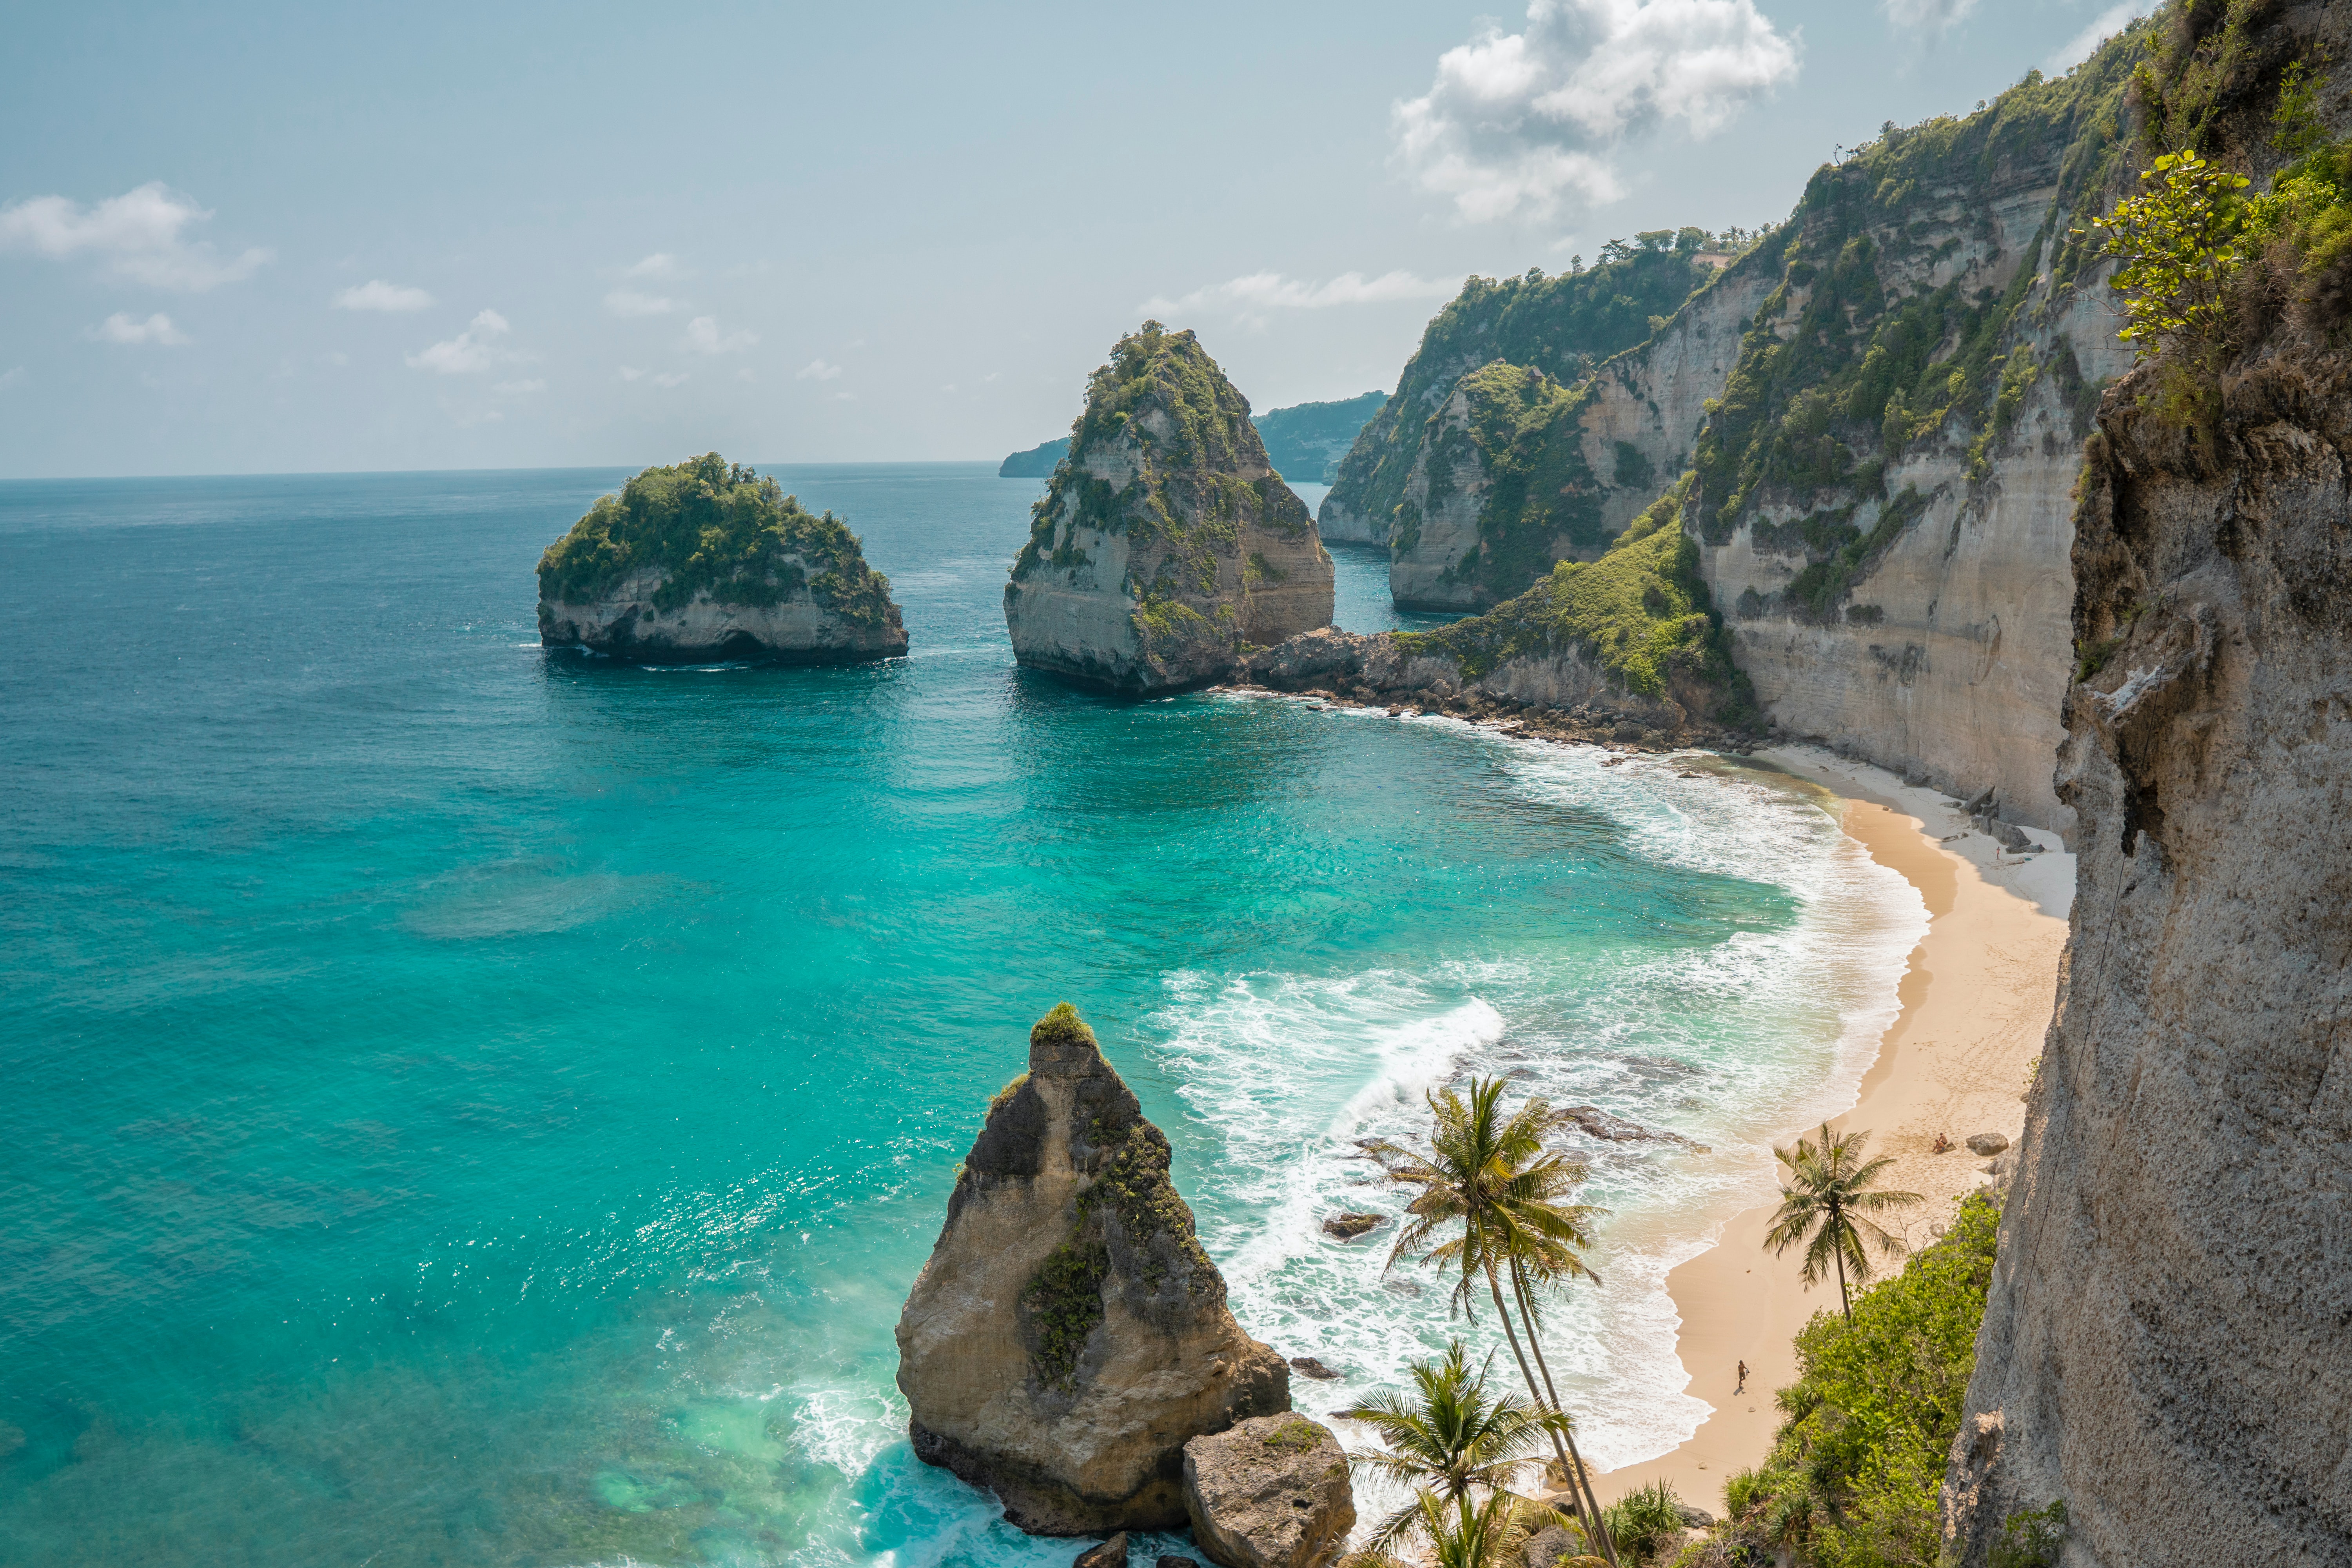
<point x="2169" y="1344"/>
<point x="1069" y="1335"/>
<point x="1166" y="541"/>
<point x="701" y="559"/>
<point x="2166" y="1347"/>
<point x="1561" y="325"/>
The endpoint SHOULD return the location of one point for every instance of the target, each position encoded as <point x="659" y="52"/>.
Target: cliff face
<point x="701" y="561"/>
<point x="1069" y="1335"/>
<point x="1561" y="325"/>
<point x="1165" y="541"/>
<point x="1306" y="440"/>
<point x="2168" y="1343"/>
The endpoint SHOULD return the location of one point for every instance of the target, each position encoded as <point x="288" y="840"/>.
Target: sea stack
<point x="1068" y="1336"/>
<point x="704" y="560"/>
<point x="1166" y="543"/>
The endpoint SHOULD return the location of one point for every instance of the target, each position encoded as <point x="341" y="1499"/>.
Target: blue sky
<point x="253" y="238"/>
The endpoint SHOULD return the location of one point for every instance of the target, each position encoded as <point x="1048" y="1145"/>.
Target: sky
<point x="251" y="238"/>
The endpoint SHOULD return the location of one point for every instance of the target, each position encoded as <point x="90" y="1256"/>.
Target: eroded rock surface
<point x="1166" y="541"/>
<point x="1273" y="1492"/>
<point x="2167" y="1344"/>
<point x="1069" y="1335"/>
<point x="705" y="561"/>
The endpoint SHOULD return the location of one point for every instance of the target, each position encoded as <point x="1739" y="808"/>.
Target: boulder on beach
<point x="1986" y="1142"/>
<point x="1273" y="1492"/>
<point x="1069" y="1335"/>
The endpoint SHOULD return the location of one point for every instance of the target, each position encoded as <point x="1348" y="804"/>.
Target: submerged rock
<point x="702" y="561"/>
<point x="1348" y="1227"/>
<point x="1069" y="1335"/>
<point x="1111" y="1553"/>
<point x="1271" y="1493"/>
<point x="1166" y="541"/>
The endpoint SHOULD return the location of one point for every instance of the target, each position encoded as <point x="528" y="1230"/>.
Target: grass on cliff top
<point x="715" y="527"/>
<point x="1856" y="1470"/>
<point x="1642" y="611"/>
<point x="1562" y="325"/>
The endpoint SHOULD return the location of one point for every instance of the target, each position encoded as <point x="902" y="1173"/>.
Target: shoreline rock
<point x="1069" y="1335"/>
<point x="1166" y="541"/>
<point x="1273" y="1492"/>
<point x="637" y="578"/>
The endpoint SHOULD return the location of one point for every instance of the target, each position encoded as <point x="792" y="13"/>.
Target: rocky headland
<point x="1068" y="1336"/>
<point x="1166" y="541"/>
<point x="703" y="561"/>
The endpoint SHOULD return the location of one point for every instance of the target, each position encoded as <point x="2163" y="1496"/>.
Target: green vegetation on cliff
<point x="1641" y="612"/>
<point x="1307" y="441"/>
<point x="1037" y="463"/>
<point x="1522" y="425"/>
<point x="1854" y="1473"/>
<point x="1846" y="367"/>
<point x="711" y="527"/>
<point x="1191" y="442"/>
<point x="1561" y="325"/>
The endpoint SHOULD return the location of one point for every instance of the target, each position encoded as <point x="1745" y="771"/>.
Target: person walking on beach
<point x="1743" y="1379"/>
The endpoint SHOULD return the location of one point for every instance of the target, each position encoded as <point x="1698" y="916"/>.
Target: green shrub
<point x="1644" y="1521"/>
<point x="2032" y="1538"/>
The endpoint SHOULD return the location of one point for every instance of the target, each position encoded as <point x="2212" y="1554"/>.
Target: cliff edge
<point x="703" y="560"/>
<point x="1069" y="1335"/>
<point x="1166" y="541"/>
<point x="2168" y="1348"/>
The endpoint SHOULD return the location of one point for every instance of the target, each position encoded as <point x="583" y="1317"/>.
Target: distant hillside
<point x="1305" y="443"/>
<point x="1036" y="463"/>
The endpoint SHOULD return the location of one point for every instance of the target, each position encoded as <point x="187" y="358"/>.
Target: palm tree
<point x="1826" y="1195"/>
<point x="1451" y="1439"/>
<point x="1460" y="1536"/>
<point x="1490" y="1174"/>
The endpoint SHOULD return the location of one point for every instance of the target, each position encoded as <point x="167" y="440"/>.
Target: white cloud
<point x="516" y="388"/>
<point x="631" y="372"/>
<point x="660" y="263"/>
<point x="136" y="232"/>
<point x="376" y="294"/>
<point x="1928" y="16"/>
<point x="1516" y="122"/>
<point x="2104" y="26"/>
<point x="817" y="370"/>
<point x="629" y="302"/>
<point x="119" y="328"/>
<point x="14" y="375"/>
<point x="1271" y="292"/>
<point x="471" y="352"/>
<point x="671" y="378"/>
<point x="702" y="335"/>
<point x="843" y="397"/>
<point x="745" y="374"/>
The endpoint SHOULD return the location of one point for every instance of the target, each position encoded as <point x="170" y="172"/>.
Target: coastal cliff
<point x="2167" y="1345"/>
<point x="1070" y="1336"/>
<point x="703" y="560"/>
<point x="1166" y="541"/>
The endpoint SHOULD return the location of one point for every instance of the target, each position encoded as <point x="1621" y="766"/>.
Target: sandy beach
<point x="1976" y="1000"/>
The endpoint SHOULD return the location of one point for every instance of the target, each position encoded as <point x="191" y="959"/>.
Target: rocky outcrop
<point x="1273" y="1492"/>
<point x="2167" y="1345"/>
<point x="1069" y="1335"/>
<point x="705" y="561"/>
<point x="1166" y="543"/>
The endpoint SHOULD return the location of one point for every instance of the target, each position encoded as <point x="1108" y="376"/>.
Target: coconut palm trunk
<point x="1569" y="1462"/>
<point x="1578" y="1481"/>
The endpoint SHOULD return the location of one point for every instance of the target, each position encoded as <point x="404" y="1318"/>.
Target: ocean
<point x="470" y="1105"/>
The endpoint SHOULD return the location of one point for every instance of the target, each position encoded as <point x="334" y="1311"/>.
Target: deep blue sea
<point x="464" y="1105"/>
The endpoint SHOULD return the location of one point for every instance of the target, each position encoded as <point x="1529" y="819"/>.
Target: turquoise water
<point x="470" y="1106"/>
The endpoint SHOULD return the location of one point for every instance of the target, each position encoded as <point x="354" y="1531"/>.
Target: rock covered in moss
<point x="1069" y="1335"/>
<point x="703" y="560"/>
<point x="1166" y="541"/>
<point x="1273" y="1492"/>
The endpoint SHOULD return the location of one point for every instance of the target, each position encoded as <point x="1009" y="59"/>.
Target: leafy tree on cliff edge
<point x="1452" y="1437"/>
<point x="1490" y="1174"/>
<point x="1827" y="1195"/>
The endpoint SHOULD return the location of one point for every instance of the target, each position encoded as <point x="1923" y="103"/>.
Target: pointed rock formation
<point x="1069" y="1335"/>
<point x="1166" y="541"/>
<point x="704" y="560"/>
